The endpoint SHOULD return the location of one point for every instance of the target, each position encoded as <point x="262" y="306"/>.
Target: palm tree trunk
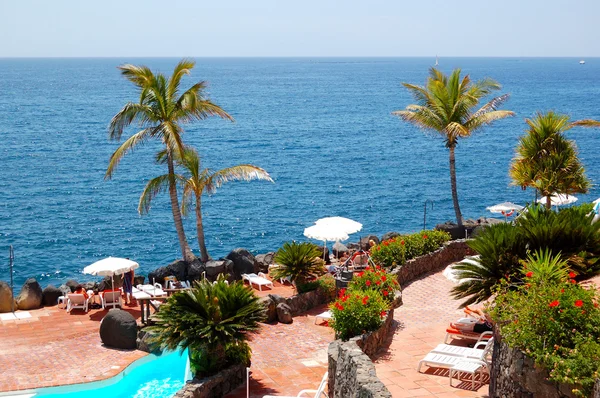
<point x="204" y="257"/>
<point x="188" y="256"/>
<point x="459" y="219"/>
<point x="548" y="201"/>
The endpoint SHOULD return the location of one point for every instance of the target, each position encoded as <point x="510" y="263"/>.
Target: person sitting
<point x="79" y="289"/>
<point x="479" y="321"/>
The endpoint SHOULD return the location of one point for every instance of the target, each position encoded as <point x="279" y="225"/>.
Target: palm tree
<point x="446" y="105"/>
<point x="212" y="321"/>
<point x="196" y="183"/>
<point x="299" y="262"/>
<point x="160" y="113"/>
<point x="546" y="160"/>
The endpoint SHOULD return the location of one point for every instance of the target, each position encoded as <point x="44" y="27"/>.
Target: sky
<point x="283" y="28"/>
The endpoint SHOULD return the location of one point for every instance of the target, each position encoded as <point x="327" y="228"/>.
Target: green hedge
<point x="396" y="251"/>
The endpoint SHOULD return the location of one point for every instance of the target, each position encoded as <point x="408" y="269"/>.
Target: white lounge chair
<point x="153" y="290"/>
<point x="75" y="301"/>
<point x="318" y="392"/>
<point x="260" y="280"/>
<point x="325" y="316"/>
<point x="464" y="335"/>
<point x="111" y="299"/>
<point x="475" y="352"/>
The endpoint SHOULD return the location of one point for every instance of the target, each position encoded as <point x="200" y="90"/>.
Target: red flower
<point x="578" y="303"/>
<point x="562" y="290"/>
<point x="365" y="299"/>
<point x="424" y="236"/>
<point x="386" y="243"/>
<point x="382" y="314"/>
<point x="555" y="303"/>
<point x="384" y="278"/>
<point x="529" y="274"/>
<point x="342" y="292"/>
<point x="378" y="283"/>
<point x="377" y="267"/>
<point x="573" y="281"/>
<point x="368" y="283"/>
<point x="572" y="275"/>
<point x="402" y="243"/>
<point x="396" y="283"/>
<point x="344" y="299"/>
<point x="359" y="274"/>
<point x="527" y="285"/>
<point x="596" y="305"/>
<point x="385" y="293"/>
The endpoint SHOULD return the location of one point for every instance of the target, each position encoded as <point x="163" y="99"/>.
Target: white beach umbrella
<point x="325" y="233"/>
<point x="505" y="208"/>
<point x="345" y="224"/>
<point x="111" y="266"/>
<point x="559" y="200"/>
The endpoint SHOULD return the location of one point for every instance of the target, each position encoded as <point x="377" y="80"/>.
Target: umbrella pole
<point x="112" y="280"/>
<point x="324" y="249"/>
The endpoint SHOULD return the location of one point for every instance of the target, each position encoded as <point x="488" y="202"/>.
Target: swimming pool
<point x="149" y="377"/>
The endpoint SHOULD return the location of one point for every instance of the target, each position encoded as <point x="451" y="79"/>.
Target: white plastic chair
<point x="325" y="316"/>
<point x="111" y="299"/>
<point x="318" y="392"/>
<point x="474" y="352"/>
<point x="260" y="280"/>
<point x="75" y="301"/>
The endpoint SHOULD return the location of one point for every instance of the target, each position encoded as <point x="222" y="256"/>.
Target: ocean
<point x="322" y="127"/>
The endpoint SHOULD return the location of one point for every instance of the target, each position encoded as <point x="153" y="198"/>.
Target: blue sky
<point x="105" y="28"/>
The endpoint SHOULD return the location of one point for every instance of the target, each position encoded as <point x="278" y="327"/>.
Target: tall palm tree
<point x="546" y="160"/>
<point x="446" y="105"/>
<point x="197" y="182"/>
<point x="160" y="113"/>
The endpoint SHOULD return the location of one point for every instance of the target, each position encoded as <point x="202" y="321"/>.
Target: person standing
<point x="128" y="286"/>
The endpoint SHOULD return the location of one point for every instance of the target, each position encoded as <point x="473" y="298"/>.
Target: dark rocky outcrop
<point x="106" y="283"/>
<point x="119" y="329"/>
<point x="178" y="269"/>
<point x="389" y="235"/>
<point x="264" y="260"/>
<point x="30" y="296"/>
<point x="468" y="229"/>
<point x="364" y="241"/>
<point x="271" y="309"/>
<point x="214" y="268"/>
<point x="243" y="262"/>
<point x="50" y="296"/>
<point x="72" y="284"/>
<point x="284" y="313"/>
<point x="339" y="249"/>
<point x="6" y="298"/>
<point x="64" y="289"/>
<point x="138" y="280"/>
<point x="196" y="271"/>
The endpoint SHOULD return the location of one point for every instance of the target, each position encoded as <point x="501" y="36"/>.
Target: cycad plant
<point x="212" y="321"/>
<point x="197" y="182"/>
<point x="160" y="112"/>
<point x="546" y="160"/>
<point x="450" y="106"/>
<point x="298" y="262"/>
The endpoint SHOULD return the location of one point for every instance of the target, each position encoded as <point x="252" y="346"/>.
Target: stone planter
<point x="215" y="386"/>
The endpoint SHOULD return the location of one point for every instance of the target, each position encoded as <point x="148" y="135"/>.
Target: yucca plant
<point x="197" y="182"/>
<point x="298" y="262"/>
<point x="546" y="266"/>
<point x="212" y="321"/>
<point x="546" y="160"/>
<point x="450" y="106"/>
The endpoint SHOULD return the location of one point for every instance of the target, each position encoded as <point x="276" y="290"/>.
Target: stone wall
<point x="449" y="253"/>
<point x="513" y="375"/>
<point x="215" y="386"/>
<point x="351" y="371"/>
<point x="299" y="303"/>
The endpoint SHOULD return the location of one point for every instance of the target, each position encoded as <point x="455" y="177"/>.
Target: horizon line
<point x="296" y="56"/>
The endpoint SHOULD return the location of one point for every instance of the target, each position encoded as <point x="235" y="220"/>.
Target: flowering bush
<point x="396" y="251"/>
<point x="556" y="323"/>
<point x="325" y="282"/>
<point x="375" y="279"/>
<point x="356" y="312"/>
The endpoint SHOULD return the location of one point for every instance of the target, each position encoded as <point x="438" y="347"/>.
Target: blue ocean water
<point x="322" y="127"/>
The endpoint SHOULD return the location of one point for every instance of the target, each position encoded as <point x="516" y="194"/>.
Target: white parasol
<point x="505" y="208"/>
<point x="325" y="233"/>
<point x="559" y="200"/>
<point x="347" y="225"/>
<point x="111" y="266"/>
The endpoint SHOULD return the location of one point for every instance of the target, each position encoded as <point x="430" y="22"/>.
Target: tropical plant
<point x="326" y="283"/>
<point x="543" y="264"/>
<point x="197" y="182"/>
<point x="557" y="323"/>
<point x="376" y="279"/>
<point x="396" y="251"/>
<point x="546" y="160"/>
<point x="356" y="312"/>
<point x="212" y="321"/>
<point x="447" y="105"/>
<point x="299" y="262"/>
<point x="160" y="113"/>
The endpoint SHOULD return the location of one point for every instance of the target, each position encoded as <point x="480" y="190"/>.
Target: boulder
<point x="271" y="309"/>
<point x="64" y="289"/>
<point x="277" y="299"/>
<point x="139" y="280"/>
<point x="106" y="283"/>
<point x="284" y="313"/>
<point x="339" y="249"/>
<point x="118" y="329"/>
<point x="50" y="296"/>
<point x="30" y="297"/>
<point x="264" y="260"/>
<point x="389" y="235"/>
<point x="243" y="262"/>
<point x="196" y="271"/>
<point x="214" y="268"/>
<point x="72" y="284"/>
<point x="353" y="246"/>
<point x="6" y="298"/>
<point x="326" y="250"/>
<point x="178" y="269"/>
<point x="143" y="344"/>
<point x="364" y="241"/>
<point x="90" y="286"/>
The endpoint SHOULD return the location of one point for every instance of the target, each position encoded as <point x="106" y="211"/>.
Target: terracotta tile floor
<point x="421" y="325"/>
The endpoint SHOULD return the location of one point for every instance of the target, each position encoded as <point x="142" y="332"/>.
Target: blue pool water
<point x="149" y="377"/>
<point x="322" y="127"/>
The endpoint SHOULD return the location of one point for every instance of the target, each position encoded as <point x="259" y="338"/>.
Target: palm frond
<point x="243" y="172"/>
<point x="153" y="188"/>
<point x="184" y="67"/>
<point x="125" y="147"/>
<point x="483" y="119"/>
<point x="130" y="113"/>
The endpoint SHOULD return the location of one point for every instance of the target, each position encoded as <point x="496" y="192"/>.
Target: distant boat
<point x="580" y="62"/>
<point x="436" y="61"/>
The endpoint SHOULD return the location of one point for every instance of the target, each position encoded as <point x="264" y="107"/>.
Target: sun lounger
<point x="308" y="393"/>
<point x="111" y="298"/>
<point x="325" y="316"/>
<point x="461" y="334"/>
<point x="260" y="280"/>
<point x="475" y="352"/>
<point x="153" y="290"/>
<point x="470" y="367"/>
<point x="77" y="301"/>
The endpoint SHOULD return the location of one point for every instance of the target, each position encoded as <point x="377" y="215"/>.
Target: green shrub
<point x="556" y="323"/>
<point x="326" y="283"/>
<point x="356" y="312"/>
<point x="376" y="279"/>
<point x="300" y="262"/>
<point x="396" y="251"/>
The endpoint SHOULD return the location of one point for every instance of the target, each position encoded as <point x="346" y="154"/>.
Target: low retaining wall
<point x="299" y="303"/>
<point x="351" y="371"/>
<point x="215" y="386"/>
<point x="449" y="253"/>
